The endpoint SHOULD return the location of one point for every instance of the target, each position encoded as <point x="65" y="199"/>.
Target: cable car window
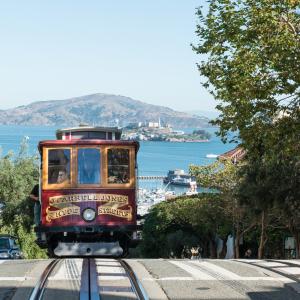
<point x="88" y="166"/>
<point x="97" y="135"/>
<point x="59" y="166"/>
<point x="118" y="165"/>
<point x="80" y="135"/>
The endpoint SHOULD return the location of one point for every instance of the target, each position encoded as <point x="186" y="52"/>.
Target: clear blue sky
<point x="64" y="48"/>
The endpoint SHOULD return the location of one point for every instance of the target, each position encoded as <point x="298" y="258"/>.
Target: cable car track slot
<point x="89" y="282"/>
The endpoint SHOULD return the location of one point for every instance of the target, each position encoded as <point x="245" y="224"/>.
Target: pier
<point x="150" y="177"/>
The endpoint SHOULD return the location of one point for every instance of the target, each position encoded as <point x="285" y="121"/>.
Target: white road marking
<point x="14" y="278"/>
<point x="106" y="260"/>
<point x="284" y="279"/>
<point x="2" y="261"/>
<point x="109" y="273"/>
<point x="290" y="270"/>
<point x="107" y="263"/>
<point x="217" y="269"/>
<point x="247" y="260"/>
<point x="195" y="272"/>
<point x="270" y="264"/>
<point x="290" y="261"/>
<point x="64" y="274"/>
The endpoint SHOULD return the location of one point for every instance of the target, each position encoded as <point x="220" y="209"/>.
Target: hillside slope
<point x="96" y="109"/>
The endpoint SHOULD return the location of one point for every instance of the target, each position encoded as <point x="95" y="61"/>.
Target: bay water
<point x="154" y="158"/>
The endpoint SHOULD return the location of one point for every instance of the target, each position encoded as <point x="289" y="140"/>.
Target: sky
<point x="60" y="49"/>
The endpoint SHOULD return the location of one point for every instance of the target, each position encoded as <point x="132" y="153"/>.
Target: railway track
<point x="100" y="279"/>
<point x="38" y="291"/>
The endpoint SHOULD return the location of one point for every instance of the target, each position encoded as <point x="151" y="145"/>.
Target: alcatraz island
<point x="156" y="131"/>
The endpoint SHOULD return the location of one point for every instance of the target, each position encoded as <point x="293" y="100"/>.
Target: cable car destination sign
<point x="111" y="204"/>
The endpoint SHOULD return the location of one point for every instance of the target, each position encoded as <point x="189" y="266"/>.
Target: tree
<point x="252" y="56"/>
<point x="184" y="221"/>
<point x="252" y="53"/>
<point x="18" y="174"/>
<point x="224" y="178"/>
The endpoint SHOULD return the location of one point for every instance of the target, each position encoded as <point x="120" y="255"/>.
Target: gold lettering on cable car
<point x="112" y="205"/>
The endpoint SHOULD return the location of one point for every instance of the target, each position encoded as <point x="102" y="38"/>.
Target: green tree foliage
<point x="18" y="174"/>
<point x="251" y="66"/>
<point x="185" y="221"/>
<point x="225" y="178"/>
<point x="252" y="53"/>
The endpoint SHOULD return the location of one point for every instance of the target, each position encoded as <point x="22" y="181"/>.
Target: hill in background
<point x="97" y="109"/>
<point x="208" y="114"/>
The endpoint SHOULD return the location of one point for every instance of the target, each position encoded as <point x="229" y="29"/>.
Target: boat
<point x="190" y="193"/>
<point x="179" y="177"/>
<point x="210" y="155"/>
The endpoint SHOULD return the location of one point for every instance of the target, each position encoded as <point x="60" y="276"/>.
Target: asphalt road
<point x="160" y="279"/>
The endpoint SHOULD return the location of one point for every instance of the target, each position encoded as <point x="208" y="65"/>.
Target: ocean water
<point x="154" y="158"/>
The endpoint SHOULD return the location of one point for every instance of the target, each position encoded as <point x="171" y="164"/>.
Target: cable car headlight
<point x="88" y="214"/>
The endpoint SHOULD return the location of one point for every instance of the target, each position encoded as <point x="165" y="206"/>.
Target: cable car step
<point x="88" y="249"/>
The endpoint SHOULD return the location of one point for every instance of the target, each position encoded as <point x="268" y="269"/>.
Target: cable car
<point x="88" y="193"/>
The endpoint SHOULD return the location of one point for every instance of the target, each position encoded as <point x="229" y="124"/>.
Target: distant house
<point x="235" y="155"/>
<point x="153" y="125"/>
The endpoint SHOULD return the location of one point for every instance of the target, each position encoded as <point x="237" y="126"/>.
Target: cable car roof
<point x="92" y="142"/>
<point x="89" y="132"/>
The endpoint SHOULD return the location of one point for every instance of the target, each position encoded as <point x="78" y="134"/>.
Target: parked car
<point x="9" y="248"/>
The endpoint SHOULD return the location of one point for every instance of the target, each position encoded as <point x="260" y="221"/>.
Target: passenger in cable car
<point x="62" y="176"/>
<point x="58" y="166"/>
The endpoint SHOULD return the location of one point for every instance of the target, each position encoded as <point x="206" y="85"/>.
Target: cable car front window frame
<point x="66" y="168"/>
<point x="103" y="167"/>
<point x="130" y="166"/>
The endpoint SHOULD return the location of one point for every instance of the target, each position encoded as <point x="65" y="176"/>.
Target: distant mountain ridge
<point x="97" y="109"/>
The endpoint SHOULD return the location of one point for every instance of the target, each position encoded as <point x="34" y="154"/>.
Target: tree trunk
<point x="297" y="242"/>
<point x="237" y="245"/>
<point x="262" y="236"/>
<point x="224" y="248"/>
<point x="213" y="248"/>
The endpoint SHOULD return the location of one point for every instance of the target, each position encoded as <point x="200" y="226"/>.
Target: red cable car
<point x="88" y="193"/>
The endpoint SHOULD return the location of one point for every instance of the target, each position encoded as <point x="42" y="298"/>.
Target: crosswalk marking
<point x="291" y="261"/>
<point x="290" y="270"/>
<point x="195" y="272"/>
<point x="109" y="273"/>
<point x="107" y="263"/>
<point x="63" y="273"/>
<point x="211" y="271"/>
<point x="14" y="278"/>
<point x="217" y="269"/>
<point x="271" y="264"/>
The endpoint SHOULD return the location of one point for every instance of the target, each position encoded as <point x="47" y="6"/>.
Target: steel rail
<point x="274" y="270"/>
<point x="135" y="283"/>
<point x="38" y="291"/>
<point x="89" y="289"/>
